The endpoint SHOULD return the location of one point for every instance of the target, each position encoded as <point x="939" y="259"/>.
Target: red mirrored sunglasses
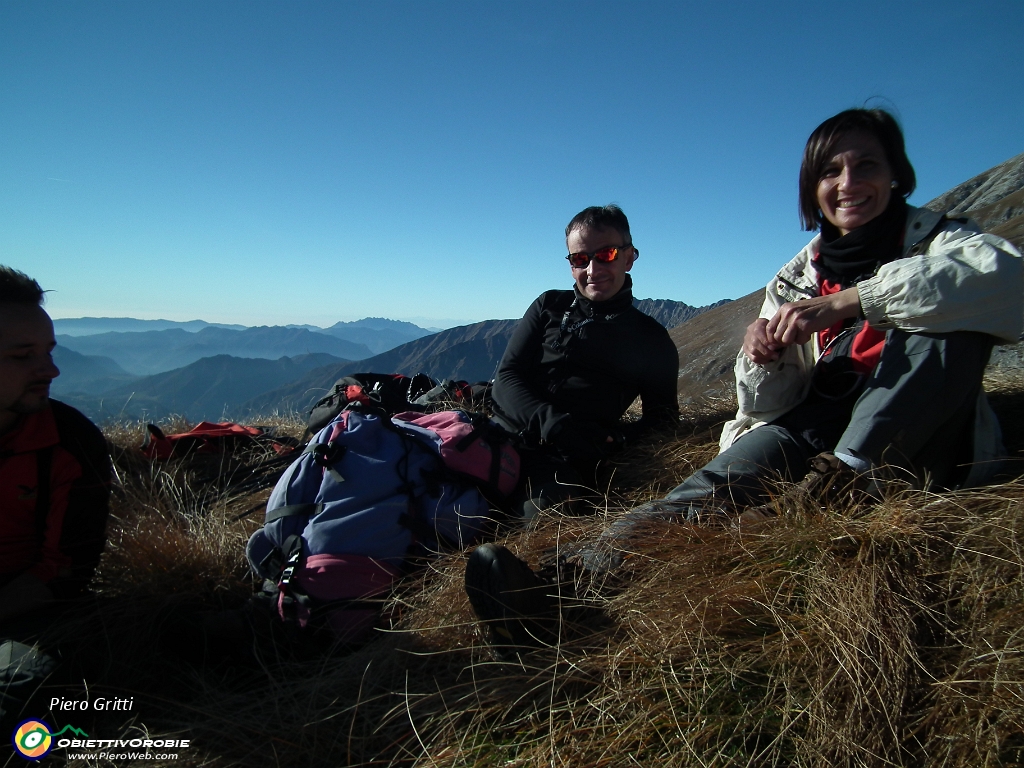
<point x="580" y="259"/>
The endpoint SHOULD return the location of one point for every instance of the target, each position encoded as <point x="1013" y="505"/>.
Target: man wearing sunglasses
<point x="577" y="360"/>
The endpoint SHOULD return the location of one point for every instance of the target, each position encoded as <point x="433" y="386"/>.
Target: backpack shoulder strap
<point x="308" y="510"/>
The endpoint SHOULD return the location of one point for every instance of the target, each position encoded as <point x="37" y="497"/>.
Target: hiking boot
<point x="513" y="600"/>
<point x="829" y="482"/>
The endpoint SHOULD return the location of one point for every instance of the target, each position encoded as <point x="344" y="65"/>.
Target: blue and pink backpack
<point x="371" y="496"/>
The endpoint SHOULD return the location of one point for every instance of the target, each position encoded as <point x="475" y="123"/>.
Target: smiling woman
<point x="883" y="281"/>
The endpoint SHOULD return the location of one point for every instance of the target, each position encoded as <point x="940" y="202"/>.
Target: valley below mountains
<point x="127" y="369"/>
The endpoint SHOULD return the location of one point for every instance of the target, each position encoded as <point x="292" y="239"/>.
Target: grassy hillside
<point x="863" y="637"/>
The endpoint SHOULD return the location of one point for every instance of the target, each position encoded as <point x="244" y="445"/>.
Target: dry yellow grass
<point x="892" y="639"/>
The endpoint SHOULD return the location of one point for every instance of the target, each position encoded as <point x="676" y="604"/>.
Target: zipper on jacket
<point x="805" y="291"/>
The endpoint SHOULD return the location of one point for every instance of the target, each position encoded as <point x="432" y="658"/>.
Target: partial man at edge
<point x="55" y="476"/>
<point x="577" y="360"/>
<point x="865" y="365"/>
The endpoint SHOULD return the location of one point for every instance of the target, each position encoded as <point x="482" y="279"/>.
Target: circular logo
<point x="32" y="739"/>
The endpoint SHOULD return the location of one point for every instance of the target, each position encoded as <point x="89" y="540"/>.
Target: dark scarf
<point x="848" y="259"/>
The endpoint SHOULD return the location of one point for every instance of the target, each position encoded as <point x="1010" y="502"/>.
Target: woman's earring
<point x="894" y="184"/>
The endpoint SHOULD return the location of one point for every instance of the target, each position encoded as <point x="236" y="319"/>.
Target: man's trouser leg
<point x="547" y="480"/>
<point x="918" y="407"/>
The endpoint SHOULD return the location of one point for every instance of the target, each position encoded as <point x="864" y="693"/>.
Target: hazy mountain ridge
<point x="90" y="374"/>
<point x="467" y="352"/>
<point x="90" y="326"/>
<point x="378" y="334"/>
<point x="151" y="352"/>
<point x="210" y="388"/>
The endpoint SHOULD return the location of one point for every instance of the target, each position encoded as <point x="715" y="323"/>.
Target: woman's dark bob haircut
<point x="821" y="146"/>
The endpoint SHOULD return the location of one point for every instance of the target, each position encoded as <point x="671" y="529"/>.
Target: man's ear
<point x="634" y="254"/>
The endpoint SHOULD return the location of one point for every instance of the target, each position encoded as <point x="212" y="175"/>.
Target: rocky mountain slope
<point x="994" y="199"/>
<point x="707" y="348"/>
<point x="672" y="313"/>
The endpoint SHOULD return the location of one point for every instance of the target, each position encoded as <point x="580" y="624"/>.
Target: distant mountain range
<point x="89" y="326"/>
<point x="469" y="352"/>
<point x="127" y="373"/>
<point x="89" y="374"/>
<point x="150" y="352"/>
<point x="377" y="333"/>
<point x="211" y="388"/>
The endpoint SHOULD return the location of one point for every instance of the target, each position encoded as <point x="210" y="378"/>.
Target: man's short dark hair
<point x="821" y="146"/>
<point x="18" y="288"/>
<point x="602" y="217"/>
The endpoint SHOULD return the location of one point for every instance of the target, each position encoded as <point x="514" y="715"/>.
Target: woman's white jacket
<point x="958" y="279"/>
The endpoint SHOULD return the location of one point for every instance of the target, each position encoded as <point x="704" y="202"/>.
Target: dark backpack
<point x="368" y="498"/>
<point x="391" y="392"/>
<point x="458" y="394"/>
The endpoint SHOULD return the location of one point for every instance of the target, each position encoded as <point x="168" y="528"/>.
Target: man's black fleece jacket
<point x="574" y="363"/>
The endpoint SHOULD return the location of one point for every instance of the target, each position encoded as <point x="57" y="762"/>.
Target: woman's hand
<point x="756" y="344"/>
<point x="796" y="322"/>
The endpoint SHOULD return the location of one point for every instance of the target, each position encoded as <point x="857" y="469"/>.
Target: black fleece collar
<point x="620" y="302"/>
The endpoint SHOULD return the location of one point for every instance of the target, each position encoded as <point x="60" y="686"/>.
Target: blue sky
<point x="308" y="162"/>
